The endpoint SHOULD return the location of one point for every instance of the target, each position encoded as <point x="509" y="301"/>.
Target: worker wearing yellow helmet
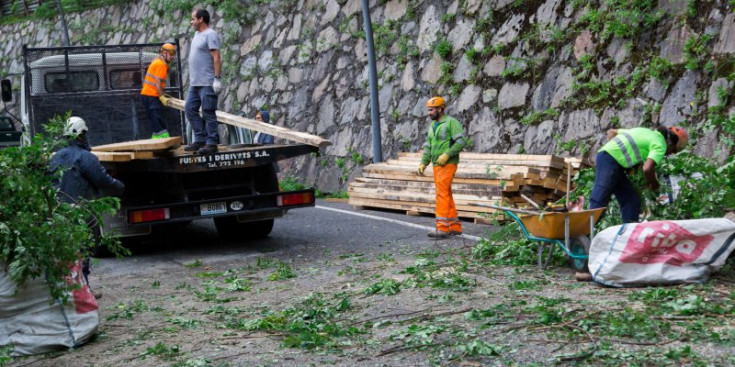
<point x="444" y="141"/>
<point x="627" y="149"/>
<point x="152" y="94"/>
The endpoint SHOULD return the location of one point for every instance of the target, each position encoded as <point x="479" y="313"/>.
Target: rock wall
<point x="533" y="76"/>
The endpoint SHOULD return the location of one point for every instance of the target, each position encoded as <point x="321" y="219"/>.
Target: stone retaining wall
<point x="535" y="76"/>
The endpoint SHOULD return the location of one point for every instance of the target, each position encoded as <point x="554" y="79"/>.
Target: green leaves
<point x="40" y="235"/>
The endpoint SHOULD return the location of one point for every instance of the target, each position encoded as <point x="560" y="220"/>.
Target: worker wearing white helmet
<point x="82" y="175"/>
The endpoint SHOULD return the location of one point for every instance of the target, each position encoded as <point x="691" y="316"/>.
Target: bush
<point x="40" y="236"/>
<point x="444" y="49"/>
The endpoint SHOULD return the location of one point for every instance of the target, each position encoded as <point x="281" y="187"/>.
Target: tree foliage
<point x="41" y="236"/>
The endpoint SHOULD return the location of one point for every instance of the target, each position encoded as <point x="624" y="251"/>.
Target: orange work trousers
<point x="447" y="218"/>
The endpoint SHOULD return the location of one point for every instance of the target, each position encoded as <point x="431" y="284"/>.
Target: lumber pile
<point x="497" y="179"/>
<point x="137" y="149"/>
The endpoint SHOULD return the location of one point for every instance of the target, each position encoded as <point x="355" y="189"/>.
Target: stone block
<point x="512" y="95"/>
<point x="726" y="42"/>
<point x="395" y="9"/>
<point x="468" y="98"/>
<point x="428" y="29"/>
<point x="495" y="66"/>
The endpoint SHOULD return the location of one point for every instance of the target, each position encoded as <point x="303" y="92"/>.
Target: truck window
<point x="125" y="79"/>
<point x="81" y="81"/>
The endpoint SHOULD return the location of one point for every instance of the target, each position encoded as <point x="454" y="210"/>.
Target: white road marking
<point x="407" y="224"/>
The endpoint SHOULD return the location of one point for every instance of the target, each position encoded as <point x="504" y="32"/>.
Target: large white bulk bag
<point x="661" y="252"/>
<point x="34" y="324"/>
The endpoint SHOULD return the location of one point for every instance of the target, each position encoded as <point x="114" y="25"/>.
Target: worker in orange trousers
<point x="444" y="141"/>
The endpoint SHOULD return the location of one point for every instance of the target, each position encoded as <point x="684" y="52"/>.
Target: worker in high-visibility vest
<point x="627" y="149"/>
<point x="152" y="94"/>
<point x="443" y="143"/>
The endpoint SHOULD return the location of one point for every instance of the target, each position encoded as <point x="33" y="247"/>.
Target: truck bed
<point x="229" y="157"/>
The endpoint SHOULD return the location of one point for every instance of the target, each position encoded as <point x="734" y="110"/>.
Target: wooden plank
<point x="277" y="131"/>
<point x="358" y="202"/>
<point x="143" y="155"/>
<point x="414" y="204"/>
<point x="113" y="156"/>
<point x="140" y="145"/>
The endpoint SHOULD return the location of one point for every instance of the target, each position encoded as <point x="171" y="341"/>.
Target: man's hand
<point x="217" y="85"/>
<point x="422" y="168"/>
<point x="164" y="100"/>
<point x="442" y="160"/>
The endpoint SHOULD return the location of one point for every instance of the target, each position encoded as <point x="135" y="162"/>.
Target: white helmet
<point x="75" y="126"/>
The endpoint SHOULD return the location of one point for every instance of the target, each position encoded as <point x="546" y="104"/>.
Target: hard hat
<point x="435" y="102"/>
<point x="75" y="126"/>
<point x="683" y="137"/>
<point x="169" y="48"/>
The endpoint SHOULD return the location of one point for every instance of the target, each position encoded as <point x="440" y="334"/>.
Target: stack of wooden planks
<point x="137" y="149"/>
<point x="482" y="178"/>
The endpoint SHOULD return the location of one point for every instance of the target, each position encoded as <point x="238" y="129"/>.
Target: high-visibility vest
<point x="633" y="146"/>
<point x="445" y="136"/>
<point x="158" y="70"/>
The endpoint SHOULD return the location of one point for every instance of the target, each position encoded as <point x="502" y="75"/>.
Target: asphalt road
<point x="329" y="228"/>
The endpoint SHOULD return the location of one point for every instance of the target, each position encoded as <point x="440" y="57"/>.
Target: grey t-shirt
<point x="201" y="63"/>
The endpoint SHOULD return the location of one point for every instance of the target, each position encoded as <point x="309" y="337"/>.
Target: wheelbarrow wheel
<point x="579" y="245"/>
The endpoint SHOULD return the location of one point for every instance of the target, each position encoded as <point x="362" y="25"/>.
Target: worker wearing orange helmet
<point x="152" y="94"/>
<point x="627" y="149"/>
<point x="444" y="141"/>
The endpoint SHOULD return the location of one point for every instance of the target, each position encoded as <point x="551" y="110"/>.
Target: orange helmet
<point x="168" y="48"/>
<point x="683" y="137"/>
<point x="435" y="102"/>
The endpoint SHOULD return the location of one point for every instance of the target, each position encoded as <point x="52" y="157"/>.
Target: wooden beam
<point x="140" y="145"/>
<point x="277" y="131"/>
<point x="114" y="156"/>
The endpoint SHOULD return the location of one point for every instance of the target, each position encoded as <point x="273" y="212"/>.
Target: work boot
<point x="163" y="134"/>
<point x="440" y="235"/>
<point x="583" y="276"/>
<point x="194" y="147"/>
<point x="208" y="149"/>
<point x="455" y="233"/>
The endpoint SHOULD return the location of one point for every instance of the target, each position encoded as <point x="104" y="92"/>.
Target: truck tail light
<point x="295" y="199"/>
<point x="150" y="215"/>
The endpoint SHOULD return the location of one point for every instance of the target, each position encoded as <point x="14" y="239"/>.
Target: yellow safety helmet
<point x="168" y="48"/>
<point x="435" y="102"/>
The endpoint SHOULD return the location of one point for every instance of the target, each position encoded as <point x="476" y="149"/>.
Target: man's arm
<point x="649" y="173"/>
<point x="217" y="65"/>
<point x="95" y="173"/>
<point x="458" y="137"/>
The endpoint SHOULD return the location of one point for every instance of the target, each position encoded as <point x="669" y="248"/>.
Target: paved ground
<point x="343" y="287"/>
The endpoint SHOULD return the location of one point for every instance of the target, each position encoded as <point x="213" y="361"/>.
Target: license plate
<point x="213" y="208"/>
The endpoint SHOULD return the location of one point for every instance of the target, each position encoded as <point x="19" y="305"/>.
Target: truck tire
<point x="229" y="228"/>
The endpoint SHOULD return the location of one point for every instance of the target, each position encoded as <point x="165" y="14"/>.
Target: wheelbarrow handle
<point x="514" y="210"/>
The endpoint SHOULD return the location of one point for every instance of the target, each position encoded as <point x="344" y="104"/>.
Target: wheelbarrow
<point x="571" y="231"/>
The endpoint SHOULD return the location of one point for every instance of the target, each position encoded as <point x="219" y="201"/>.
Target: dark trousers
<point x="205" y="98"/>
<point x="154" y="107"/>
<point x="612" y="180"/>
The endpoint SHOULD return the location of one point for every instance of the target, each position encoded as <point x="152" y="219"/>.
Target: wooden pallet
<point x="481" y="179"/>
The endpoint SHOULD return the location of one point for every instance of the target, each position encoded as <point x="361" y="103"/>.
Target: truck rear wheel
<point x="230" y="229"/>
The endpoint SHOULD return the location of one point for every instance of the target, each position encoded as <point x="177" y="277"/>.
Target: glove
<point x="217" y="85"/>
<point x="422" y="168"/>
<point x="164" y="100"/>
<point x="442" y="160"/>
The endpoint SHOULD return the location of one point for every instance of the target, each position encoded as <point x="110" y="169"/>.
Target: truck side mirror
<point x="7" y="90"/>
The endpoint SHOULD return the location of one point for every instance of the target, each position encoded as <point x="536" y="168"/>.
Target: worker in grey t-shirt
<point x="204" y="84"/>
